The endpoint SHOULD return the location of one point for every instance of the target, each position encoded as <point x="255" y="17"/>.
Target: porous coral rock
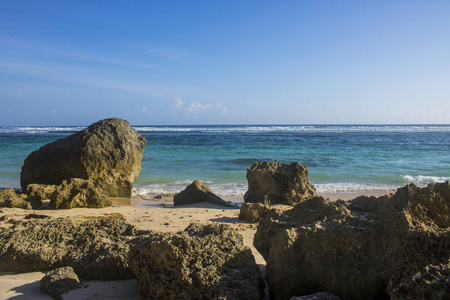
<point x="201" y="262"/>
<point x="60" y="281"/>
<point x="278" y="183"/>
<point x="353" y="248"/>
<point x="96" y="249"/>
<point x="77" y="192"/>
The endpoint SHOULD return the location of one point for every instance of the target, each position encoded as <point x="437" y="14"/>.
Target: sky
<point x="224" y="62"/>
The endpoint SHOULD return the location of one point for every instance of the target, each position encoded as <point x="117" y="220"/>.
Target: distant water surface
<point x="340" y="158"/>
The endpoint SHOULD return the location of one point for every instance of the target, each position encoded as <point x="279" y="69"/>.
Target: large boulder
<point x="353" y="249"/>
<point x="60" y="281"/>
<point x="78" y="192"/>
<point x="278" y="183"/>
<point x="96" y="249"/>
<point x="108" y="152"/>
<point x="198" y="192"/>
<point x="201" y="262"/>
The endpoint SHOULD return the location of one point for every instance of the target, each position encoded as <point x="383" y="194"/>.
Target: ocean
<point x="340" y="158"/>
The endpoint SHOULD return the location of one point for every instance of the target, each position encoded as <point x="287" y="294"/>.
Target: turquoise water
<point x="339" y="158"/>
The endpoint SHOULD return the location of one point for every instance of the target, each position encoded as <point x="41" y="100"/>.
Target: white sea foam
<point x="422" y="180"/>
<point x="224" y="189"/>
<point x="238" y="189"/>
<point x="36" y="130"/>
<point x="352" y="187"/>
<point x="297" y="128"/>
<point x="246" y="128"/>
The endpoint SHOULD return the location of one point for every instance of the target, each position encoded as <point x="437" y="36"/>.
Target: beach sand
<point x="158" y="215"/>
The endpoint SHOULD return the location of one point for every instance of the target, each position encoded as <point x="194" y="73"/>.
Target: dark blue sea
<point x="340" y="158"/>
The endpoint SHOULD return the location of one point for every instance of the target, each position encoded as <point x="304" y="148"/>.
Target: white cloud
<point x="178" y="103"/>
<point x="220" y="107"/>
<point x="197" y="106"/>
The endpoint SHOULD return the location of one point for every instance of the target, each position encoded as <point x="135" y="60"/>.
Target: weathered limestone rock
<point x="432" y="282"/>
<point x="353" y="249"/>
<point x="7" y="194"/>
<point x="253" y="212"/>
<point x="108" y="152"/>
<point x="201" y="262"/>
<point x="19" y="203"/>
<point x="40" y="191"/>
<point x="96" y="249"/>
<point x="274" y="182"/>
<point x="198" y="192"/>
<point x="60" y="281"/>
<point x="77" y="192"/>
<point x="10" y="198"/>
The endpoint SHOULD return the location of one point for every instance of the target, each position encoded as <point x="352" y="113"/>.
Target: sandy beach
<point x="157" y="215"/>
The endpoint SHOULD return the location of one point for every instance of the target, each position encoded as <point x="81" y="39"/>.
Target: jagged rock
<point x="77" y="192"/>
<point x="96" y="249"/>
<point x="108" y="152"/>
<point x="277" y="183"/>
<point x="201" y="262"/>
<point x="432" y="282"/>
<point x="40" y="191"/>
<point x="10" y="198"/>
<point x="60" y="281"/>
<point x="353" y="248"/>
<point x="253" y="212"/>
<point x="18" y="203"/>
<point x="317" y="296"/>
<point x="6" y="195"/>
<point x="198" y="192"/>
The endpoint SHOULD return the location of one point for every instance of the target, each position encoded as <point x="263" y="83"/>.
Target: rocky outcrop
<point x="40" y="191"/>
<point x="60" y="281"/>
<point x="96" y="249"/>
<point x="10" y="198"/>
<point x="277" y="183"/>
<point x="353" y="249"/>
<point x="7" y="194"/>
<point x="432" y="282"/>
<point x="198" y="192"/>
<point x="77" y="192"/>
<point x="201" y="262"/>
<point x="108" y="152"/>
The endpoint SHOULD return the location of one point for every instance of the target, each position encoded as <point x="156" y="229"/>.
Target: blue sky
<point x="224" y="62"/>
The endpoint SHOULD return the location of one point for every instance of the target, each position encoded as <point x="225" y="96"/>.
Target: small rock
<point x="198" y="192"/>
<point x="253" y="212"/>
<point x="60" y="281"/>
